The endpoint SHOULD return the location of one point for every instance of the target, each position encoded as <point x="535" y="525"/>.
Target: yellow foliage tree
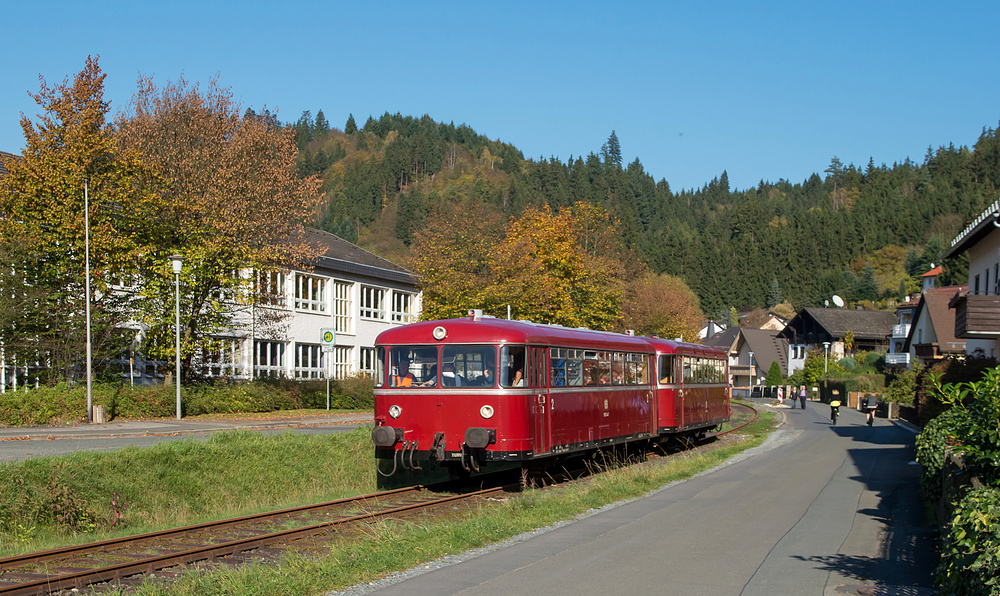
<point x="664" y="306"/>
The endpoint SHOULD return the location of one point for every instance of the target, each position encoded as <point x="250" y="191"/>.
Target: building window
<point x="310" y="293"/>
<point x="308" y="361"/>
<point x="268" y="359"/>
<point x="343" y="311"/>
<point x="372" y="303"/>
<point x="402" y="307"/>
<point x="222" y="359"/>
<point x="341" y="361"/>
<point x="367" y="363"/>
<point x="271" y="288"/>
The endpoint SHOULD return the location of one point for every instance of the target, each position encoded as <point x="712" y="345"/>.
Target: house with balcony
<point x="898" y="357"/>
<point x="977" y="311"/>
<point x="932" y="329"/>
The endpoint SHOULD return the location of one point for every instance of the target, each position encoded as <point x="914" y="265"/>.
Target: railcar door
<point x="538" y="372"/>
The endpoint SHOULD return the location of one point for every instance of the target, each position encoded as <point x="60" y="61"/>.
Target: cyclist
<point x="834" y="411"/>
<point x="870" y="406"/>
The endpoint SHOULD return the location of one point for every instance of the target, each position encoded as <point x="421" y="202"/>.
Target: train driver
<point x="403" y="376"/>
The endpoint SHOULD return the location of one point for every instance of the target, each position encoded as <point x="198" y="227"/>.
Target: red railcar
<point x="692" y="391"/>
<point x="464" y="392"/>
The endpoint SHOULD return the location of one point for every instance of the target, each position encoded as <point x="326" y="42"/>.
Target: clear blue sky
<point x="763" y="90"/>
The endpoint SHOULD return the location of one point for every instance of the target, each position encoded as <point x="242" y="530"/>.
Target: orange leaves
<point x="536" y="264"/>
<point x="662" y="305"/>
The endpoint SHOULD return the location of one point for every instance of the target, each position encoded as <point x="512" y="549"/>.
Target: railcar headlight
<point x="395" y="411"/>
<point x="439" y="333"/>
<point x="486" y="412"/>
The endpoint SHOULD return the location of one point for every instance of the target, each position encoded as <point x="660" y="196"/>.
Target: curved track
<point x="111" y="560"/>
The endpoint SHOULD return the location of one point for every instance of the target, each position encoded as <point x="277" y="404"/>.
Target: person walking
<point x="802" y="396"/>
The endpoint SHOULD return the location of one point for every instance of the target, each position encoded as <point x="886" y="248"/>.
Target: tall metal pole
<point x="177" y="262"/>
<point x="86" y="283"/>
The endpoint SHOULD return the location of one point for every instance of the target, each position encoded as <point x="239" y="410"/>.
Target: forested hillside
<point x="865" y="233"/>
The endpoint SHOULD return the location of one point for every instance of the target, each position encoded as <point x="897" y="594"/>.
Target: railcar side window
<point x="666" y="369"/>
<point x="469" y="366"/>
<point x="566" y="367"/>
<point x="512" y="373"/>
<point x="413" y="367"/>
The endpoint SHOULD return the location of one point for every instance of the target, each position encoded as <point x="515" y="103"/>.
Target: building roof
<point x="976" y="231"/>
<point x="767" y="347"/>
<point x="934" y="305"/>
<point x="837" y="322"/>
<point x="725" y="339"/>
<point x="337" y="254"/>
<point x="934" y="272"/>
<point x="3" y="166"/>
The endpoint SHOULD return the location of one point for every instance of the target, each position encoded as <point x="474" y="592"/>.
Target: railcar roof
<point x="667" y="346"/>
<point x="495" y="331"/>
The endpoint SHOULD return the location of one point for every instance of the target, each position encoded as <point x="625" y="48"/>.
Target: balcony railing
<point x="900" y="331"/>
<point x="902" y="359"/>
<point x="977" y="316"/>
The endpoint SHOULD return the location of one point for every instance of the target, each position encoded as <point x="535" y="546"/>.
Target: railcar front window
<point x="469" y="366"/>
<point x="413" y="367"/>
<point x="666" y="366"/>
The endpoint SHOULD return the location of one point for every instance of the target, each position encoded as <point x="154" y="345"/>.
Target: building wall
<point x="984" y="264"/>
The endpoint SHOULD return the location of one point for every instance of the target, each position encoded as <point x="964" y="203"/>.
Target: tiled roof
<point x="337" y="254"/>
<point x="767" y="347"/>
<point x="5" y="156"/>
<point x="863" y="324"/>
<point x="934" y="304"/>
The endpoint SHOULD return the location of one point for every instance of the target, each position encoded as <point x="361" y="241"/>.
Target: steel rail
<point x="152" y="563"/>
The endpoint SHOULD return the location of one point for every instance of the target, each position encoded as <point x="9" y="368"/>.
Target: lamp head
<point x="177" y="261"/>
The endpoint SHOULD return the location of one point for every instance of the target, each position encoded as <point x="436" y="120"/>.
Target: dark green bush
<point x="970" y="557"/>
<point x="930" y="446"/>
<point x="847" y="364"/>
<point x="68" y="404"/>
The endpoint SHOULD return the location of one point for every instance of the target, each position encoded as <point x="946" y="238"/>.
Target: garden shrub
<point x="970" y="556"/>
<point x="847" y="364"/>
<point x="930" y="447"/>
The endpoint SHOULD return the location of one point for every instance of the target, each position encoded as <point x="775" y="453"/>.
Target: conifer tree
<point x="351" y="127"/>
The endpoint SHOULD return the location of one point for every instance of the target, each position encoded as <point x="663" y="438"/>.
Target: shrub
<point x="848" y="364"/>
<point x="930" y="446"/>
<point x="358" y="392"/>
<point x="970" y="557"/>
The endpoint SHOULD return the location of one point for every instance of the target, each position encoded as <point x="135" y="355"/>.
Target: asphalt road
<point x="818" y="510"/>
<point x="19" y="442"/>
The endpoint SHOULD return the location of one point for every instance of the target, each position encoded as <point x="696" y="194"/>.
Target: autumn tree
<point x="546" y="267"/>
<point x="664" y="306"/>
<point x="452" y="255"/>
<point x="68" y="155"/>
<point x="227" y="198"/>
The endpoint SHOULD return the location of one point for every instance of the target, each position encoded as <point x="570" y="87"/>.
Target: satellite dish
<point x="838" y="301"/>
<point x="826" y="303"/>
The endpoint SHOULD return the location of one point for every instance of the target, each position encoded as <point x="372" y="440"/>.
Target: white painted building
<point x="351" y="292"/>
<point x="977" y="312"/>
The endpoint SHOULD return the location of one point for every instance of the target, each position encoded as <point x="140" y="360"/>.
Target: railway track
<point x="116" y="559"/>
<point x="112" y="560"/>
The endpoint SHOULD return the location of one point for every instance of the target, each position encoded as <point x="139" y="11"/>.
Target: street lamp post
<point x="826" y="347"/>
<point x="751" y="374"/>
<point x="177" y="261"/>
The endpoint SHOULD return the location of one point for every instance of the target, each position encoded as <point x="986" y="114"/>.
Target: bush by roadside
<point x="970" y="563"/>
